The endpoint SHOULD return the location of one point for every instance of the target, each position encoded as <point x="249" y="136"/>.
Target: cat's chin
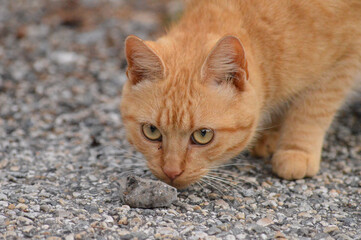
<point x="178" y="183"/>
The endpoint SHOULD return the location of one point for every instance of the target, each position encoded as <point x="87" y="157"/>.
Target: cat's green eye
<point x="151" y="132"/>
<point x="202" y="136"/>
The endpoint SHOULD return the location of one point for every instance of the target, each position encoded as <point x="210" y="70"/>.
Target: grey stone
<point x="66" y="58"/>
<point x="2" y="219"/>
<point x="167" y="231"/>
<point x="258" y="229"/>
<point x="91" y="37"/>
<point x="230" y="237"/>
<point x="3" y="197"/>
<point x="25" y="220"/>
<point x="146" y="193"/>
<point x="248" y="193"/>
<point x="194" y="199"/>
<point x="213" y="230"/>
<point x="342" y="236"/>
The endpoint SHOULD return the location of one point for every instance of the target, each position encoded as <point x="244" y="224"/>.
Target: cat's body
<point x="237" y="66"/>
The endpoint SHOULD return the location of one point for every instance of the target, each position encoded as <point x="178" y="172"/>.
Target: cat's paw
<point x="266" y="145"/>
<point x="293" y="164"/>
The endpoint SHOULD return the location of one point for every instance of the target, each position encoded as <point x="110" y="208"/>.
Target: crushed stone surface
<point x="63" y="150"/>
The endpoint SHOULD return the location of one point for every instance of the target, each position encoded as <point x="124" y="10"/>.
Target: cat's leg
<point x="267" y="140"/>
<point x="299" y="148"/>
<point x="266" y="144"/>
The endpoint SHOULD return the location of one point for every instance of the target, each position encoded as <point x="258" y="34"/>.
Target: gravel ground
<point x="63" y="153"/>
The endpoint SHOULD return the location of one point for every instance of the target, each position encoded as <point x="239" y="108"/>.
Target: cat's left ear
<point x="226" y="63"/>
<point x="143" y="62"/>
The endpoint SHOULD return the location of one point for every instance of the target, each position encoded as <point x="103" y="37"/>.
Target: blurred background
<point x="62" y="67"/>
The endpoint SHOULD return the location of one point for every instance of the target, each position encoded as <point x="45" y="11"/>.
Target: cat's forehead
<point x="185" y="104"/>
<point x="178" y="106"/>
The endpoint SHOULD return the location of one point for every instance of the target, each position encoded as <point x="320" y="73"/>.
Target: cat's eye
<point x="202" y="136"/>
<point x="151" y="132"/>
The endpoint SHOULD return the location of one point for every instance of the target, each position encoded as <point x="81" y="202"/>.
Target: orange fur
<point x="233" y="66"/>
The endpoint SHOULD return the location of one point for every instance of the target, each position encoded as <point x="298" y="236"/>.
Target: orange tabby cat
<point x="196" y="96"/>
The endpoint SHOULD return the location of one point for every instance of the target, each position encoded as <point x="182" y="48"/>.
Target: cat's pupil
<point x="153" y="129"/>
<point x="203" y="132"/>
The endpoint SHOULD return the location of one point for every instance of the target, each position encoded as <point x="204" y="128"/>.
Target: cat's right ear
<point x="226" y="63"/>
<point x="143" y="61"/>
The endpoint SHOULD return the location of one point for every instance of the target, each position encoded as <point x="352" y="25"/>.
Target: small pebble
<point x="22" y="207"/>
<point x="148" y="193"/>
<point x="3" y="197"/>
<point x="329" y="229"/>
<point x="264" y="222"/>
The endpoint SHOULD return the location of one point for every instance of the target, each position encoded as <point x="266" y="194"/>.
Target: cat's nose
<point x="172" y="172"/>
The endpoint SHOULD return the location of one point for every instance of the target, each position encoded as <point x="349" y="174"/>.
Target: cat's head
<point x="188" y="117"/>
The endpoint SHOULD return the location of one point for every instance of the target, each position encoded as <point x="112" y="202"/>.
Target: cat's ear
<point x="143" y="61"/>
<point x="226" y="63"/>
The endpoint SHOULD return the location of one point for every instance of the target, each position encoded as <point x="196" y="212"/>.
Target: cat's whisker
<point x="209" y="183"/>
<point x="217" y="178"/>
<point x="232" y="185"/>
<point x="235" y="179"/>
<point x="241" y="154"/>
<point x="239" y="158"/>
<point x="216" y="172"/>
<point x="214" y="185"/>
<point x="246" y="181"/>
<point x="200" y="185"/>
<point x="222" y="171"/>
<point x="233" y="164"/>
<point x="229" y="181"/>
<point x="260" y="129"/>
<point x="220" y="178"/>
<point x="219" y="181"/>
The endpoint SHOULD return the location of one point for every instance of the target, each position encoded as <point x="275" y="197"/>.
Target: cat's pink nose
<point x="172" y="172"/>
